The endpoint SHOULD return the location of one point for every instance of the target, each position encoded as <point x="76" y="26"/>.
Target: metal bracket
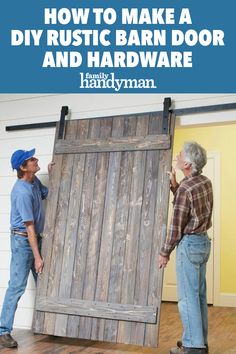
<point x="64" y="112"/>
<point x="166" y="111"/>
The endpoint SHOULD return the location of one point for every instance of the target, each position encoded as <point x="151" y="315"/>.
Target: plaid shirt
<point x="192" y="210"/>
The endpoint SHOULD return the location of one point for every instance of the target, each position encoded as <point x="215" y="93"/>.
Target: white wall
<point x="26" y="109"/>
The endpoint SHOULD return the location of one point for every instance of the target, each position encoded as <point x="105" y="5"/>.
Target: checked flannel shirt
<point x="192" y="210"/>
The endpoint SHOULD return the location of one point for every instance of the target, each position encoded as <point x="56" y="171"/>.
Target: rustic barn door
<point x="106" y="218"/>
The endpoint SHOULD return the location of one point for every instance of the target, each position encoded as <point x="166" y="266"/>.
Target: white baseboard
<point x="225" y="300"/>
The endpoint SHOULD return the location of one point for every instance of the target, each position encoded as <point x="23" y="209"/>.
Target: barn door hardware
<point x="167" y="103"/>
<point x="64" y="113"/>
<point x="166" y="112"/>
<point x="12" y="128"/>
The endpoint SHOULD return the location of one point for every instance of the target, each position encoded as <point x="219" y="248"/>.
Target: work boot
<point x="179" y="345"/>
<point x="7" y="341"/>
<point x="187" y="350"/>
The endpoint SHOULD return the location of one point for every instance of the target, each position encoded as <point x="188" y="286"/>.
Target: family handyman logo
<point x="109" y="81"/>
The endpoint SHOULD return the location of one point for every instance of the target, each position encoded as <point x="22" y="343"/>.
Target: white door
<point x="169" y="292"/>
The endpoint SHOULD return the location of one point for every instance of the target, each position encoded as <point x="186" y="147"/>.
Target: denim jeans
<point x="191" y="257"/>
<point x="22" y="261"/>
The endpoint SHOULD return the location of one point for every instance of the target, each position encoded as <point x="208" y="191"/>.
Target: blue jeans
<point x="191" y="257"/>
<point x="22" y="261"/>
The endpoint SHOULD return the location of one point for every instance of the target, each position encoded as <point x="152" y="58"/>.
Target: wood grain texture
<point x="48" y="236"/>
<point x="133" y="231"/>
<point x="134" y="143"/>
<point x="59" y="231"/>
<point x="102" y="309"/>
<point x="120" y="229"/>
<point x="84" y="221"/>
<point x="94" y="242"/>
<point x="107" y="236"/>
<point x="109" y="219"/>
<point x="71" y="228"/>
<point x="160" y="231"/>
<point x="145" y="263"/>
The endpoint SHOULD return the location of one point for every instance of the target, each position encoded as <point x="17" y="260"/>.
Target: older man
<point x="27" y="221"/>
<point x="191" y="218"/>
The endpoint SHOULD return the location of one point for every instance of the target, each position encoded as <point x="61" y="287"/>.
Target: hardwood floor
<point x="222" y="337"/>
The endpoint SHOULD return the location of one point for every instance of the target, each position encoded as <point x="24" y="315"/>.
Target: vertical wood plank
<point x="60" y="227"/>
<point x="144" y="265"/>
<point x="132" y="237"/>
<point x="120" y="229"/>
<point x="95" y="229"/>
<point x="83" y="228"/>
<point x="160" y="227"/>
<point x="48" y="236"/>
<point x="108" y="228"/>
<point x="71" y="227"/>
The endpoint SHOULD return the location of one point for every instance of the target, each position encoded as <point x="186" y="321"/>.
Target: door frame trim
<point x="216" y="216"/>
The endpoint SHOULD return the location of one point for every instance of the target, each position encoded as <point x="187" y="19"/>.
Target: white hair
<point x="196" y="155"/>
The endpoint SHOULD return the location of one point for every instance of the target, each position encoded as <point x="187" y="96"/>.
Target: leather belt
<point x="20" y="233"/>
<point x="198" y="234"/>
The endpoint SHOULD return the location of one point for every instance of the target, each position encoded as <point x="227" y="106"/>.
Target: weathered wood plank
<point x="95" y="228"/>
<point x="120" y="229"/>
<point x="160" y="227"/>
<point x="134" y="143"/>
<point x="103" y="273"/>
<point x="48" y="236"/>
<point x="71" y="227"/>
<point x="60" y="227"/>
<point x="144" y="264"/>
<point x="145" y="314"/>
<point x="133" y="230"/>
<point x="83" y="227"/>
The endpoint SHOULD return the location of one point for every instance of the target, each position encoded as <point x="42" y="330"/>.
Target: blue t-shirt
<point x="26" y="204"/>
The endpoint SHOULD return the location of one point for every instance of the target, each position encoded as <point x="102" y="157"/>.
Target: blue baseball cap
<point x="19" y="156"/>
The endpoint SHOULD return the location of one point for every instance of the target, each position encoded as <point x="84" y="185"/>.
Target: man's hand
<point x="52" y="163"/>
<point x="172" y="176"/>
<point x="163" y="260"/>
<point x="38" y="264"/>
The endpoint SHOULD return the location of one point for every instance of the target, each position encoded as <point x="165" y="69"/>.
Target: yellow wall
<point x="220" y="139"/>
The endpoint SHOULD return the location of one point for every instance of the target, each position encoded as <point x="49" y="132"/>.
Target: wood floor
<point x="222" y="337"/>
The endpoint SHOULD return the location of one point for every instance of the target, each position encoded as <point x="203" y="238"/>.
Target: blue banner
<point x="164" y="46"/>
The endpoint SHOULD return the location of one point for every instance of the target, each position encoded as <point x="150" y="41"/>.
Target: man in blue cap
<point x="27" y="222"/>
